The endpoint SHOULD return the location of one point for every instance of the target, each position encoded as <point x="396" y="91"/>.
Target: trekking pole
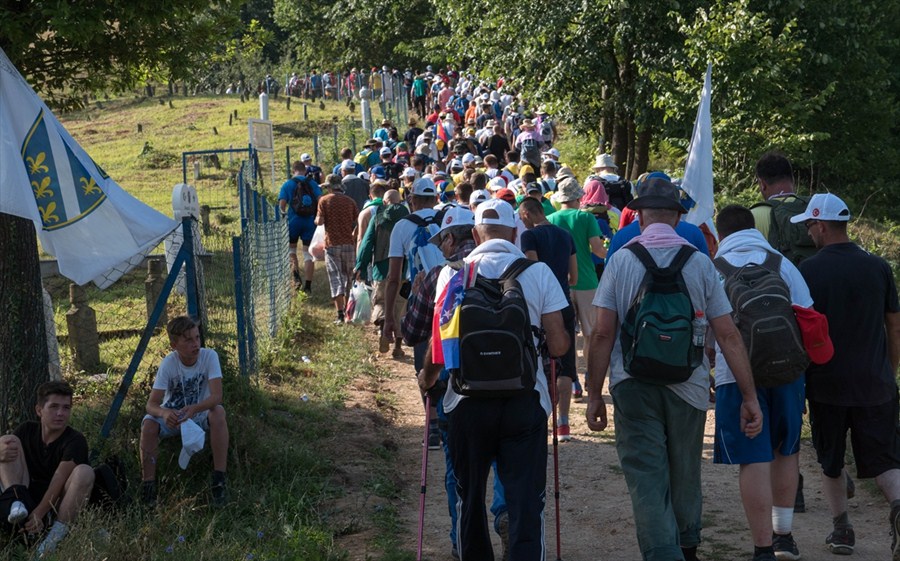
<point x="554" y="398"/>
<point x="424" y="477"/>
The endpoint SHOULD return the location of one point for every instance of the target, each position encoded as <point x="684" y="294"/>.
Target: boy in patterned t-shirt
<point x="188" y="385"/>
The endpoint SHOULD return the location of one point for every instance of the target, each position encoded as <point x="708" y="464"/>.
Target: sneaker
<point x="56" y="534"/>
<point x="785" y="547"/>
<point x="895" y="534"/>
<point x="384" y="344"/>
<point x="501" y="525"/>
<point x="398" y="350"/>
<point x="765" y="557"/>
<point x="17" y="512"/>
<point x="434" y="438"/>
<point x="148" y="493"/>
<point x="577" y="391"/>
<point x="562" y="431"/>
<point x="841" y="542"/>
<point x="219" y="491"/>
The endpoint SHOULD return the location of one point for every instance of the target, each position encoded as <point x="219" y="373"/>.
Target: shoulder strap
<point x="724" y="266"/>
<point x="416" y="219"/>
<point x="643" y="255"/>
<point x="681" y="258"/>
<point x="773" y="262"/>
<point x="456" y="265"/>
<point x="516" y="268"/>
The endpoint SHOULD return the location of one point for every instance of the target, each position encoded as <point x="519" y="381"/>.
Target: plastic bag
<point x="359" y="305"/>
<point x="317" y="244"/>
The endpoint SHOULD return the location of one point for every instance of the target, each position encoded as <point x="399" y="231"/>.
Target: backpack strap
<point x="516" y="268"/>
<point x="678" y="262"/>
<point x="773" y="262"/>
<point x="724" y="267"/>
<point x="416" y="219"/>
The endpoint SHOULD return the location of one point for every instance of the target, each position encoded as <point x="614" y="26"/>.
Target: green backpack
<point x="791" y="240"/>
<point x="657" y="336"/>
<point x="384" y="220"/>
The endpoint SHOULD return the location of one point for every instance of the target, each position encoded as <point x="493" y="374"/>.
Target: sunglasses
<point x="809" y="223"/>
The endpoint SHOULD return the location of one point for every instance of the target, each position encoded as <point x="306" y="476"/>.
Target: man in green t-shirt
<point x="586" y="233"/>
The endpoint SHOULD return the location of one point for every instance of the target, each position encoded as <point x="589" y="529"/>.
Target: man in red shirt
<point x="337" y="213"/>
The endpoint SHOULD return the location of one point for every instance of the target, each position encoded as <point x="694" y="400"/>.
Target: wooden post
<point x="153" y="285"/>
<point x="82" y="323"/>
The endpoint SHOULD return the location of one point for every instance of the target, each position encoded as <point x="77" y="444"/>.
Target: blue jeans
<point x="659" y="439"/>
<point x="498" y="505"/>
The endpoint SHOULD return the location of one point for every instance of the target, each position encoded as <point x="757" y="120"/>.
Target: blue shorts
<point x="202" y="420"/>
<point x="782" y="409"/>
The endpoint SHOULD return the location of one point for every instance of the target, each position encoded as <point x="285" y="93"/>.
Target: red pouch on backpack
<point x="814" y="330"/>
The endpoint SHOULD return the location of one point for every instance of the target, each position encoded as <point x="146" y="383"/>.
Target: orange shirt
<point x="338" y="212"/>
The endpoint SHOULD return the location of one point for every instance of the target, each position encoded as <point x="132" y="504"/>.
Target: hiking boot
<point x="841" y="541"/>
<point x="148" y="493"/>
<point x="785" y="547"/>
<point x="501" y="525"/>
<point x="17" y="513"/>
<point x="384" y="344"/>
<point x="398" y="349"/>
<point x="799" y="501"/>
<point x="562" y="431"/>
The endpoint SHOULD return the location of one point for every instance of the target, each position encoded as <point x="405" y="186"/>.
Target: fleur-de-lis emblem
<point x="43" y="189"/>
<point x="36" y="164"/>
<point x="47" y="215"/>
<point x="89" y="185"/>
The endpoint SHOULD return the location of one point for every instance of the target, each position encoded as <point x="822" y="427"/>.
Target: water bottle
<point x="698" y="326"/>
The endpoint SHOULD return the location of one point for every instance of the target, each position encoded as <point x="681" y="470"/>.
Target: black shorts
<point x="26" y="497"/>
<point x="568" y="366"/>
<point x="874" y="437"/>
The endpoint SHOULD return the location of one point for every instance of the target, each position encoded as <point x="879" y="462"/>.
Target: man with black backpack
<point x="651" y="334"/>
<point x="762" y="288"/>
<point x="299" y="200"/>
<point x="492" y="310"/>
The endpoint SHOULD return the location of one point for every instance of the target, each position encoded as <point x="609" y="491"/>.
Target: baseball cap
<point x="552" y="152"/>
<point x="192" y="438"/>
<point x="364" y="176"/>
<point x="657" y="193"/>
<point x="455" y="216"/>
<point x="456" y="164"/>
<point x="305" y="157"/>
<point x="468" y="158"/>
<point x="424" y="187"/>
<point x="478" y="196"/>
<point x="525" y="169"/>
<point x="506" y="194"/>
<point x="826" y="207"/>
<point x="534" y="186"/>
<point x="378" y="171"/>
<point x="497" y="183"/>
<point x="409" y="172"/>
<point x="495" y="211"/>
<point x="385" y="151"/>
<point x="348" y="165"/>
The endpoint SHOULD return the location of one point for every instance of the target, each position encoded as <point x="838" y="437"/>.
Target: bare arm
<point x="430" y="372"/>
<point x="214" y="399"/>
<point x="282" y="204"/>
<point x="51" y="497"/>
<point x="600" y="348"/>
<point x="735" y="353"/>
<point x="531" y="254"/>
<point x="155" y="408"/>
<point x="892" y="325"/>
<point x="555" y="333"/>
<point x="597" y="248"/>
<point x="573" y="270"/>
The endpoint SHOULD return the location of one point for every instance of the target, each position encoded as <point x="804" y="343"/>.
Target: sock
<point x="760" y="550"/>
<point x="562" y="420"/>
<point x="782" y="519"/>
<point x="842" y="522"/>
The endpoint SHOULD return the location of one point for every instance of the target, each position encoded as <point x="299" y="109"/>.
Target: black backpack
<point x="657" y="335"/>
<point x="304" y="202"/>
<point x="497" y="354"/>
<point x="530" y="153"/>
<point x="618" y="192"/>
<point x="791" y="240"/>
<point x="762" y="311"/>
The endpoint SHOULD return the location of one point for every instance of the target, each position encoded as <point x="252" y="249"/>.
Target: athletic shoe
<point x="56" y="534"/>
<point x="562" y="431"/>
<point x="434" y="438"/>
<point x="384" y="344"/>
<point x="765" y="557"/>
<point x="17" y="512"/>
<point x="841" y="542"/>
<point x="785" y="547"/>
<point x="218" y="490"/>
<point x="148" y="493"/>
<point x="501" y="525"/>
<point x="895" y="534"/>
<point x="577" y="391"/>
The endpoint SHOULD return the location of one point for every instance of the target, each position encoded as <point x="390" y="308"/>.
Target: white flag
<point x="96" y="230"/>
<point x="698" y="172"/>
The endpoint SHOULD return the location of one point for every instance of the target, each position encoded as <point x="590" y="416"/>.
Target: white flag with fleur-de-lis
<point x="96" y="230"/>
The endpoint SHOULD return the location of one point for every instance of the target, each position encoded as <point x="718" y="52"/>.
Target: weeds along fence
<point x="243" y="288"/>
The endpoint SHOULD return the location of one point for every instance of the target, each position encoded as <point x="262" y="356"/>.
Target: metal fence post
<point x="239" y="305"/>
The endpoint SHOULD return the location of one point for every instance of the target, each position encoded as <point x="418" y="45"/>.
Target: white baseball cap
<point x="305" y="157"/>
<point x="498" y="211"/>
<point x="497" y="183"/>
<point x="424" y="187"/>
<point x="348" y="165"/>
<point x="826" y="207"/>
<point x="478" y="196"/>
<point x="468" y="158"/>
<point x="552" y="152"/>
<point x="409" y="172"/>
<point x="385" y="151"/>
<point x="455" y="216"/>
<point x="192" y="437"/>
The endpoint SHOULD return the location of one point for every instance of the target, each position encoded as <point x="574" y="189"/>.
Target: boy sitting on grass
<point x="188" y="385"/>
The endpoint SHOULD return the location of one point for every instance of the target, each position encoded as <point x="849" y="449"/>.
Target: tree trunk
<point x="620" y="140"/>
<point x="23" y="341"/>
<point x="641" y="153"/>
<point x="629" y="165"/>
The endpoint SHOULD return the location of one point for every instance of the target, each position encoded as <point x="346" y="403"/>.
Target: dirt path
<point x="595" y="509"/>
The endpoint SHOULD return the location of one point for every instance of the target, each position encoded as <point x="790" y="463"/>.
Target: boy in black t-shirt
<point x="44" y="471"/>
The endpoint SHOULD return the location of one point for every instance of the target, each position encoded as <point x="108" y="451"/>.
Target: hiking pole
<point x="554" y="398"/>
<point x="424" y="477"/>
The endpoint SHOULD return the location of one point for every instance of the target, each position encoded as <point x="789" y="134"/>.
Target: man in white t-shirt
<point x="511" y="430"/>
<point x="188" y="387"/>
